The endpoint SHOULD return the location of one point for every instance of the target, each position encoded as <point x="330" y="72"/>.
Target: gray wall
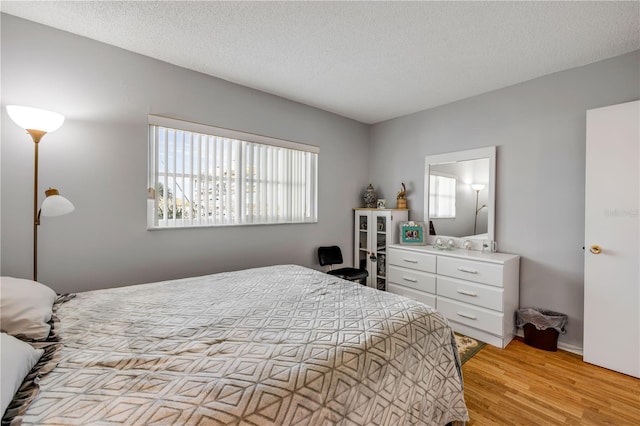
<point x="539" y="130"/>
<point x="98" y="159"/>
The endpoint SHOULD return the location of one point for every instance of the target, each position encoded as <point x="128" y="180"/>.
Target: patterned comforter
<point x="278" y="345"/>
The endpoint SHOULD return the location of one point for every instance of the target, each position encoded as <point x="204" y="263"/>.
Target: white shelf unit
<point x="375" y="230"/>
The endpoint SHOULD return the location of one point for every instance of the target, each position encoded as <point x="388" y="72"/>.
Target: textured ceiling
<point x="370" y="61"/>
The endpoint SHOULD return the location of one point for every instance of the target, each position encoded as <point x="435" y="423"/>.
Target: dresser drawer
<point x="473" y="316"/>
<point x="410" y="278"/>
<point x="427" y="299"/>
<point x="411" y="259"/>
<point x="465" y="291"/>
<point x="481" y="272"/>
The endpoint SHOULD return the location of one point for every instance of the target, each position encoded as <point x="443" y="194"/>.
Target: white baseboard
<point x="570" y="348"/>
<point x="561" y="345"/>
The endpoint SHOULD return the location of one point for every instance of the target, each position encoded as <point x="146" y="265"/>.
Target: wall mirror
<point x="459" y="198"/>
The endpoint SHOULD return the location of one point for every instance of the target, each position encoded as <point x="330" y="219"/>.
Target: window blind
<point x="202" y="175"/>
<point x="442" y="197"/>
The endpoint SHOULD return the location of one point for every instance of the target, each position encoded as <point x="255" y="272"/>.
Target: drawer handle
<point x="467" y="293"/>
<point x="462" y="314"/>
<point x="468" y="271"/>
<point x="410" y="260"/>
<point x="411" y="280"/>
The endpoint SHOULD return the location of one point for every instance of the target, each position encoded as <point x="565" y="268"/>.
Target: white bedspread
<point x="277" y="345"/>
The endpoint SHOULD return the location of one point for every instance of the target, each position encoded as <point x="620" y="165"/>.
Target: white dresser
<point x="477" y="292"/>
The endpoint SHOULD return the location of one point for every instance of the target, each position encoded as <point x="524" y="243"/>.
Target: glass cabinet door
<point x="381" y="220"/>
<point x="362" y="260"/>
<point x="374" y="231"/>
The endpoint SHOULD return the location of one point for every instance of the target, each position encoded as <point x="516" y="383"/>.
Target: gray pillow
<point x="26" y="307"/>
<point x="17" y="358"/>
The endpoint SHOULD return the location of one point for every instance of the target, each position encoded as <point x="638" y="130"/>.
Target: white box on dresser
<point x="477" y="292"/>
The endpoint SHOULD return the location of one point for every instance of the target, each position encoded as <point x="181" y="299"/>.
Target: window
<point x="208" y="176"/>
<point x="442" y="197"/>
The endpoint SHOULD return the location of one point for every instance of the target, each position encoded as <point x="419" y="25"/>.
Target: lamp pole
<point x="477" y="187"/>
<point x="36" y="135"/>
<point x="37" y="123"/>
<point x="475" y="219"/>
<point x="35" y="212"/>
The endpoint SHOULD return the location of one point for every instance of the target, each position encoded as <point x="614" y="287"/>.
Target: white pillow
<point x="17" y="358"/>
<point x="26" y="307"/>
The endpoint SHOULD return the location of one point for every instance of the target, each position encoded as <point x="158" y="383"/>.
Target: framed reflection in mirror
<point x="460" y="194"/>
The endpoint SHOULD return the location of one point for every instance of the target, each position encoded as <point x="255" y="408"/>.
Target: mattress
<point x="280" y="345"/>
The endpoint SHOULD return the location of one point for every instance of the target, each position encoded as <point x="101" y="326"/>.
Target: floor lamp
<point x="477" y="187"/>
<point x="37" y="123"/>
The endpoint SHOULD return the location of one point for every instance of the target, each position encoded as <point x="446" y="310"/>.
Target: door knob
<point x="595" y="249"/>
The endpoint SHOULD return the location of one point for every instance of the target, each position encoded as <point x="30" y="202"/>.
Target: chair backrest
<point x="331" y="255"/>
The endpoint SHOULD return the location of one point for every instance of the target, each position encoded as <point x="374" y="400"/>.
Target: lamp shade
<point x="477" y="186"/>
<point x="55" y="204"/>
<point x="35" y="119"/>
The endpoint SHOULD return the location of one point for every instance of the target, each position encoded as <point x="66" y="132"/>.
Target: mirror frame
<point x="450" y="157"/>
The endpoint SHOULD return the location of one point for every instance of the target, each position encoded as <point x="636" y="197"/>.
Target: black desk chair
<point x="333" y="256"/>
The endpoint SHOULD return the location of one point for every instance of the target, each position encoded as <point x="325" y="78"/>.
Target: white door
<point x="612" y="234"/>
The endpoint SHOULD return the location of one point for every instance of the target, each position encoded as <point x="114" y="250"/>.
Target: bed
<point x="279" y="345"/>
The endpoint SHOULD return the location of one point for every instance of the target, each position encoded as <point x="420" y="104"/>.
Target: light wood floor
<point x="522" y="385"/>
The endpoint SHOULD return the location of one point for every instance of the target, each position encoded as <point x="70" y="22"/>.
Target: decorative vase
<point x="370" y="197"/>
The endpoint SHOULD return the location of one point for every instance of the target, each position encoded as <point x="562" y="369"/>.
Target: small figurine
<point x="402" y="198"/>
